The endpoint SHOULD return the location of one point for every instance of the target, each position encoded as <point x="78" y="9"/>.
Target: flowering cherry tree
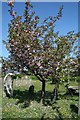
<point x="37" y="47"/>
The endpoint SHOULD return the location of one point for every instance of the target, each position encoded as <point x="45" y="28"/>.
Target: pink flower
<point x="10" y="2"/>
<point x="38" y="64"/>
<point x="13" y="14"/>
<point x="17" y="24"/>
<point x="40" y="67"/>
<point x="17" y="35"/>
<point x="72" y="62"/>
<point x="27" y="0"/>
<point x="28" y="46"/>
<point x="26" y="30"/>
<point x="30" y="53"/>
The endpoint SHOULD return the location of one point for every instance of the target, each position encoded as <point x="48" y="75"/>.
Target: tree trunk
<point x="55" y="92"/>
<point x="43" y="89"/>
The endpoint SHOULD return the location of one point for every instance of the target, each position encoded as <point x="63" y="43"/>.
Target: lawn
<point x="0" y="98"/>
<point x="24" y="105"/>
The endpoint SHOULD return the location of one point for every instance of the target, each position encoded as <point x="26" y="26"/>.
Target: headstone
<point x="31" y="89"/>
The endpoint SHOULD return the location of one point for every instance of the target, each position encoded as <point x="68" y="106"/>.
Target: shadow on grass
<point x="68" y="96"/>
<point x="60" y="116"/>
<point x="74" y="111"/>
<point x="26" y="98"/>
<point x="74" y="108"/>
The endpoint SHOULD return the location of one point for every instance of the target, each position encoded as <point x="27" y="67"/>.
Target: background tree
<point x="37" y="47"/>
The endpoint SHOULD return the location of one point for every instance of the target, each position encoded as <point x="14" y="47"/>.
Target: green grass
<point x="24" y="105"/>
<point x="0" y="98"/>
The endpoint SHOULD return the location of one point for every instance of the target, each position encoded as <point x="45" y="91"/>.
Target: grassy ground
<point x="0" y="98"/>
<point x="24" y="105"/>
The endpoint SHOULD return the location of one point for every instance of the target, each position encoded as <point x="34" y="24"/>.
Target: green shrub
<point x="78" y="78"/>
<point x="33" y="77"/>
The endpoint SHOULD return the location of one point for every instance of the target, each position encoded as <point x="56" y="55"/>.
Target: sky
<point x="68" y="22"/>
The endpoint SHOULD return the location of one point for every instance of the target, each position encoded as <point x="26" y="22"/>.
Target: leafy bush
<point x="17" y="76"/>
<point x="78" y="78"/>
<point x="33" y="77"/>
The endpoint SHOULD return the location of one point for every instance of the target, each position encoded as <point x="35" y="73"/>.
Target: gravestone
<point x="31" y="89"/>
<point x="72" y="89"/>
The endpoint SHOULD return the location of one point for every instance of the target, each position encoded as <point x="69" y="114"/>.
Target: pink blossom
<point x="10" y="2"/>
<point x="21" y="23"/>
<point x="13" y="14"/>
<point x="72" y="62"/>
<point x="17" y="35"/>
<point x="33" y="50"/>
<point x="26" y="30"/>
<point x="30" y="53"/>
<point x="28" y="46"/>
<point x="41" y="67"/>
<point x="27" y="0"/>
<point x="38" y="64"/>
<point x="17" y="24"/>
